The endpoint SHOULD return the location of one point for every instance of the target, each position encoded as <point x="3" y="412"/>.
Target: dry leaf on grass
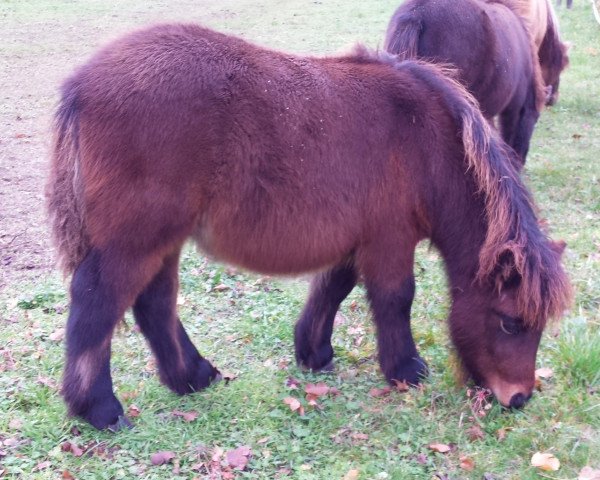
<point x="351" y="474"/>
<point x="292" y="383"/>
<point x="187" y="416"/>
<point x="239" y="457"/>
<point x="316" y="390"/>
<point x="544" y="372"/>
<point x="380" y="392"/>
<point x="588" y="473"/>
<point x="466" y="463"/>
<point x="71" y="447"/>
<point x="401" y="386"/>
<point x="133" y="411"/>
<point x="545" y="461"/>
<point x="15" y="424"/>
<point x="42" y="466"/>
<point x="440" y="447"/>
<point x="160" y="458"/>
<point x="475" y="432"/>
<point x="294" y="404"/>
<point x="57" y="335"/>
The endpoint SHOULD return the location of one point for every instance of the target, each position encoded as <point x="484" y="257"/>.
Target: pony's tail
<point x="402" y="37"/>
<point x="63" y="190"/>
<point x="513" y="238"/>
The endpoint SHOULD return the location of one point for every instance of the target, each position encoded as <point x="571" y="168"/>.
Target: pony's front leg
<point x="314" y="328"/>
<point x="517" y="124"/>
<point x="97" y="304"/>
<point x="398" y="354"/>
<point x="180" y="366"/>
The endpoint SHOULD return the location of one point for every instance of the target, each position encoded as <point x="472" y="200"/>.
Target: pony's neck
<point x="458" y="229"/>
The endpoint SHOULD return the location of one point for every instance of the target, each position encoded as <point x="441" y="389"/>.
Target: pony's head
<point x="496" y="325"/>
<point x="554" y="57"/>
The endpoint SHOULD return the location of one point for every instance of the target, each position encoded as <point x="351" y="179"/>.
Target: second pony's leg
<point x="180" y="366"/>
<point x="315" y="326"/>
<point x="517" y="123"/>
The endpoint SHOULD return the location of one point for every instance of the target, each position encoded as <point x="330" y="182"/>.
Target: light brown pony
<point x="286" y="164"/>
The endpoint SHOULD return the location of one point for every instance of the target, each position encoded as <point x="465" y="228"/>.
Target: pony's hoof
<point x="411" y="372"/>
<point x="122" y="423"/>
<point x="329" y="367"/>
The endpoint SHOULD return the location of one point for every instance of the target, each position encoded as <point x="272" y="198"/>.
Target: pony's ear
<point x="558" y="247"/>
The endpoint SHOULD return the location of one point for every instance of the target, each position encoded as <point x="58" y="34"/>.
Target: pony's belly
<point x="274" y="250"/>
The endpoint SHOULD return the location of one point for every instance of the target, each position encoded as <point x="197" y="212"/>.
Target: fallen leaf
<point x="15" y="424"/>
<point x="545" y="461"/>
<point x="57" y="335"/>
<point x="71" y="447"/>
<point x="317" y="390"/>
<point x="187" y="416"/>
<point x="66" y="475"/>
<point x="501" y="433"/>
<point x="401" y="386"/>
<point x="294" y="405"/>
<point x="351" y="474"/>
<point x="47" y="382"/>
<point x="160" y="458"/>
<point x="466" y="463"/>
<point x="133" y="411"/>
<point x="475" y="432"/>
<point x="125" y="396"/>
<point x="360" y="436"/>
<point x="439" y="447"/>
<point x="380" y="392"/>
<point x="292" y="383"/>
<point x="42" y="466"/>
<point x="588" y="473"/>
<point x="238" y="458"/>
<point x="544" y="372"/>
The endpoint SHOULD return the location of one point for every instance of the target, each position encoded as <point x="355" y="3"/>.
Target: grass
<point x="245" y="326"/>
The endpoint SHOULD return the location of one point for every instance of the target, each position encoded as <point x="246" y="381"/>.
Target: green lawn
<point x="244" y="323"/>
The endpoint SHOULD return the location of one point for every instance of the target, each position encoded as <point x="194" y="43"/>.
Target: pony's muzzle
<point x="519" y="400"/>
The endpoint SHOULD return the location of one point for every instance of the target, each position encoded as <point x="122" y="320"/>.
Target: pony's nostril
<point x="518" y="400"/>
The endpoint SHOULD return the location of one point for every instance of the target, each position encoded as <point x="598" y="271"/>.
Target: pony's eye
<point x="510" y="325"/>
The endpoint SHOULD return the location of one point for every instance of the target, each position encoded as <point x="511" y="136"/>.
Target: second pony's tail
<point x="402" y="37"/>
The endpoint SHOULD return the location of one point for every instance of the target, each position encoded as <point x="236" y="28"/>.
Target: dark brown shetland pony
<point x="283" y="165"/>
<point x="489" y="45"/>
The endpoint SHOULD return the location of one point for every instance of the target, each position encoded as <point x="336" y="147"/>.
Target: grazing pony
<point x="489" y="45"/>
<point x="283" y="165"/>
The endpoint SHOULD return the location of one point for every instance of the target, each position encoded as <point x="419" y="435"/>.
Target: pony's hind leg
<point x="180" y="366"/>
<point x="315" y="326"/>
<point x="102" y="288"/>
